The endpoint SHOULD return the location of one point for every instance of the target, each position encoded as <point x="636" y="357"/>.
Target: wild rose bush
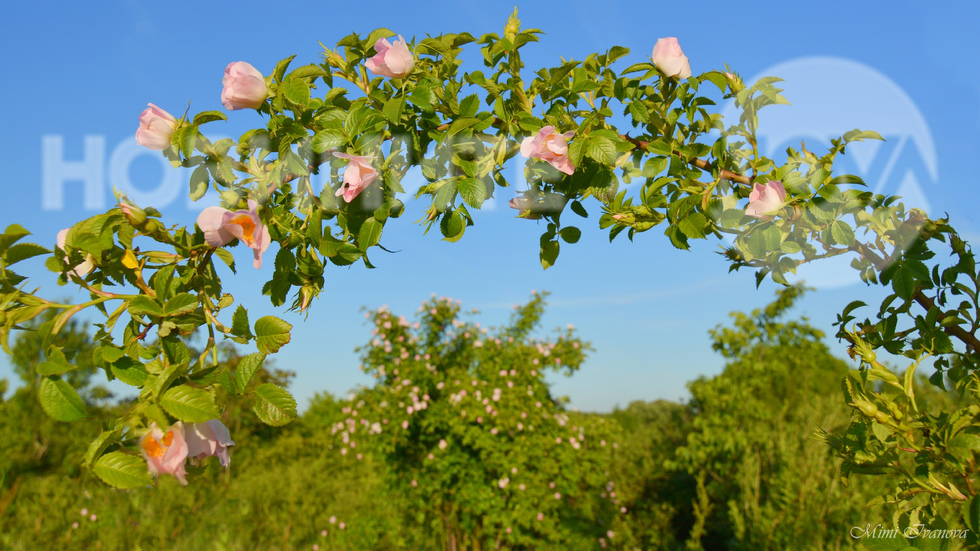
<point x="471" y="435"/>
<point x="159" y="284"/>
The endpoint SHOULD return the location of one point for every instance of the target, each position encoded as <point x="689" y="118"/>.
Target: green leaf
<point x="601" y="149"/>
<point x="55" y="364"/>
<point x="328" y="139"/>
<point x="274" y="405"/>
<point x="842" y="233"/>
<point x="903" y="282"/>
<point x="189" y="404"/>
<point x="60" y="400"/>
<point x="971" y="514"/>
<point x="101" y="442"/>
<point x="469" y="106"/>
<point x="239" y="323"/>
<point x="280" y="69"/>
<point x="452" y="226"/>
<point x="271" y="334"/>
<point x="578" y="209"/>
<point x="297" y="91"/>
<point x="369" y="234"/>
<point x="11" y="235"/>
<point x="23" y="251"/>
<point x="130" y="371"/>
<point x="122" y="471"/>
<point x="144" y="305"/>
<point x="570" y="234"/>
<point x="208" y="116"/>
<point x="461" y="124"/>
<point x="199" y="182"/>
<point x="549" y="253"/>
<point x="226" y="257"/>
<point x="246" y="369"/>
<point x="393" y="109"/>
<point x="693" y="226"/>
<point x="183" y="303"/>
<point x="473" y="191"/>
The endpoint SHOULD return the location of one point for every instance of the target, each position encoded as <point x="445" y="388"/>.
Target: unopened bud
<point x="513" y="26"/>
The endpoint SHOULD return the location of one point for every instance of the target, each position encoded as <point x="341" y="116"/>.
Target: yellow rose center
<point x="248" y="227"/>
<point x="154" y="448"/>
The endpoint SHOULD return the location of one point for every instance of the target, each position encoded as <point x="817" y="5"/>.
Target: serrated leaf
<point x="189" y="404"/>
<point x="130" y="371"/>
<point x="328" y="139"/>
<point x="226" y="257"/>
<point x="60" y="400"/>
<point x="101" y="442"/>
<point x="393" y="109"/>
<point x="271" y="334"/>
<point x="11" y="235"/>
<point x="296" y="91"/>
<point x="842" y="233"/>
<point x="274" y="405"/>
<point x="570" y="234"/>
<point x="369" y="234"/>
<point x="239" y="323"/>
<point x="182" y="303"/>
<point x="693" y="226"/>
<point x="55" y="364"/>
<point x="199" y="182"/>
<point x="122" y="471"/>
<point x="578" y="209"/>
<point x="903" y="282"/>
<point x="452" y="226"/>
<point x="473" y="191"/>
<point x="23" y="251"/>
<point x="145" y="306"/>
<point x="208" y="116"/>
<point x="549" y="253"/>
<point x="469" y="106"/>
<point x="246" y="369"/>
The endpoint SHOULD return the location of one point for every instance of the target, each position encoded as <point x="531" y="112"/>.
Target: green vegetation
<point x="743" y="465"/>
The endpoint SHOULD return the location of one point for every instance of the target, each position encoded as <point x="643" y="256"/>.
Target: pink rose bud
<point x="220" y="226"/>
<point x="765" y="200"/>
<point x="209" y="438"/>
<point x="244" y="87"/>
<point x="549" y="146"/>
<point x="669" y="58"/>
<point x="393" y="60"/>
<point x="165" y="453"/>
<point x="358" y="175"/>
<point x="156" y="127"/>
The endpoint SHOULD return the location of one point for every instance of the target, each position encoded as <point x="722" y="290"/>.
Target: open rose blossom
<point x="165" y="452"/>
<point x="208" y="438"/>
<point x="220" y="226"/>
<point x="156" y="128"/>
<point x="358" y="175"/>
<point x="82" y="269"/>
<point x="549" y="146"/>
<point x="670" y="59"/>
<point x="765" y="200"/>
<point x="244" y="87"/>
<point x="392" y="60"/>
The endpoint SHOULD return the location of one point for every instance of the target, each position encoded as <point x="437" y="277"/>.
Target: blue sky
<point x="896" y="67"/>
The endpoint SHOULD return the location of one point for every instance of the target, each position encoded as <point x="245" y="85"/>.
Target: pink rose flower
<point x="392" y="60"/>
<point x="670" y="59"/>
<point x="358" y="175"/>
<point x="156" y="127"/>
<point x="165" y="452"/>
<point x="209" y="438"/>
<point x="220" y="226"/>
<point x="244" y="87"/>
<point x="549" y="146"/>
<point x="765" y="199"/>
<point x="87" y="265"/>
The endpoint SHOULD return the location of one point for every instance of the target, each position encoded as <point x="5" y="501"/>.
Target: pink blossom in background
<point x="392" y="60"/>
<point x="551" y="147"/>
<point x="243" y="87"/>
<point x="670" y="59"/>
<point x="82" y="269"/>
<point x="156" y="128"/>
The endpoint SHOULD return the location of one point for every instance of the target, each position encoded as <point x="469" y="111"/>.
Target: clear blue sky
<point x="900" y="68"/>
